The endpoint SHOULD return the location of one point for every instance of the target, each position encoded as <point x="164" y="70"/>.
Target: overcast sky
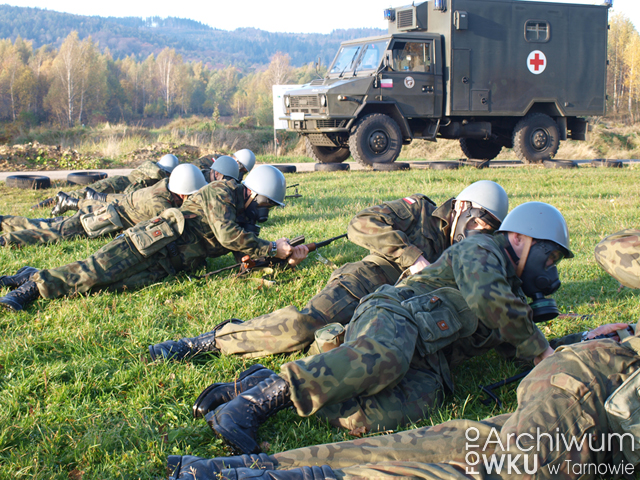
<point x="276" y="16"/>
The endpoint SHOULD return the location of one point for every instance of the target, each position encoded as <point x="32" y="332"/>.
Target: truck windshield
<point x="345" y="60"/>
<point x="371" y="56"/>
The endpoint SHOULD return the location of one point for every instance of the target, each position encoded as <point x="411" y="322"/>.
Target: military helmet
<point x="168" y="162"/>
<point x="246" y="158"/>
<point x="267" y="180"/>
<point x="540" y="221"/>
<point x="186" y="179"/>
<point x="227" y="166"/>
<point x="489" y="195"/>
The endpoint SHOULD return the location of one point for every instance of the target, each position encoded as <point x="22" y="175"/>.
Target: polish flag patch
<point x="386" y="83"/>
<point x="409" y="200"/>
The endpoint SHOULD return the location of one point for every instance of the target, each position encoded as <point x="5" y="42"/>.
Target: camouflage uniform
<point x="563" y="397"/>
<point x="396" y="233"/>
<point x="211" y="230"/>
<point x="403" y="341"/>
<point x="133" y="208"/>
<point x="204" y="164"/>
<point x="618" y="255"/>
<point x="147" y="174"/>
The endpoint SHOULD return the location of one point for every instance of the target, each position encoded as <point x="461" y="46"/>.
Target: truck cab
<point x="491" y="73"/>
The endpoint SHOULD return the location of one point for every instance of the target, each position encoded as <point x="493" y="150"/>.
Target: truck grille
<point x="304" y="102"/>
<point x="405" y="18"/>
<point x="330" y="123"/>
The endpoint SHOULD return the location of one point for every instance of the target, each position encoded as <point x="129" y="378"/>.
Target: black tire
<point x="536" y="138"/>
<point x="476" y="149"/>
<point x="390" y="167"/>
<point x="326" y="154"/>
<point x="31" y="182"/>
<point x="444" y="165"/>
<point x="331" y="167"/>
<point x="85" y="178"/>
<point x="376" y="139"/>
<point x="286" y="168"/>
<point x="560" y="164"/>
<point x="607" y="163"/>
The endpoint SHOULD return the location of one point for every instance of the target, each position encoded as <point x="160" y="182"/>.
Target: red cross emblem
<point x="536" y="62"/>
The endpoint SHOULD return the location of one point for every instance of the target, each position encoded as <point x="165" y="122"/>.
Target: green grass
<point x="79" y="397"/>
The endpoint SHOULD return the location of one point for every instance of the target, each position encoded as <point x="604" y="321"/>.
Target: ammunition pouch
<point x="152" y="236"/>
<point x="623" y="411"/>
<point x="101" y="222"/>
<point x="327" y="338"/>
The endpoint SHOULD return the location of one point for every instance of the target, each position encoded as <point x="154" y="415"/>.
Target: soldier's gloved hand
<point x="418" y="265"/>
<point x="283" y="249"/>
<point x="299" y="254"/>
<point x="605" y="329"/>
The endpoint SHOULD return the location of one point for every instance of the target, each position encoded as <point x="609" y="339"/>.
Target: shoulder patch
<point x="410" y="200"/>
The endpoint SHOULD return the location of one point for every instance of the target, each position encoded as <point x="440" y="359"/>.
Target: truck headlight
<point x="287" y="101"/>
<point x="323" y="100"/>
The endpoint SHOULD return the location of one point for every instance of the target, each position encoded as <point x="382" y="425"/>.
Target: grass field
<point x="80" y="399"/>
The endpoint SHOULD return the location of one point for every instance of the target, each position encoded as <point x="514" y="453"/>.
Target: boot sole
<point x="198" y="413"/>
<point x="11" y="305"/>
<point x="241" y="442"/>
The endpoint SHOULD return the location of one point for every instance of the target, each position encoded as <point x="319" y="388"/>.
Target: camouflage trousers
<point x="376" y="379"/>
<point x="115" y="266"/>
<point x="560" y="400"/>
<point x="619" y="256"/>
<point x="10" y="223"/>
<point x="290" y="329"/>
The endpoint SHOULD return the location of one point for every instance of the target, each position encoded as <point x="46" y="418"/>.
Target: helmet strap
<point x="454" y="223"/>
<point x="250" y="199"/>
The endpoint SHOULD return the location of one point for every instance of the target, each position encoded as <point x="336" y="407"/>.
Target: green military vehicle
<point x="491" y="73"/>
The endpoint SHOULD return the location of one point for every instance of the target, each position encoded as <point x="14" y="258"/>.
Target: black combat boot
<point x="188" y="347"/>
<point x="91" y="194"/>
<point x="180" y="465"/>
<point x="64" y="203"/>
<point x="195" y="468"/>
<point x="21" y="297"/>
<point x="219" y="393"/>
<point x="21" y="276"/>
<point x="237" y="421"/>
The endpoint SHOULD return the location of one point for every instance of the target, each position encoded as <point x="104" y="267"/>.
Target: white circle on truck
<point x="536" y="62"/>
<point x="409" y="82"/>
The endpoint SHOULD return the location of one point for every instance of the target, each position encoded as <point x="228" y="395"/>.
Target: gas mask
<point x="257" y="208"/>
<point x="540" y="278"/>
<point x="460" y="228"/>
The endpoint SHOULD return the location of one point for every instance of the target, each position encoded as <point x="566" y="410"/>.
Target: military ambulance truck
<point x="491" y="73"/>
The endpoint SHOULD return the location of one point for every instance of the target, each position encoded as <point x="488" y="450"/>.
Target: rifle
<point x="490" y="388"/>
<point x="296" y="194"/>
<point x="247" y="265"/>
<point x="47" y="202"/>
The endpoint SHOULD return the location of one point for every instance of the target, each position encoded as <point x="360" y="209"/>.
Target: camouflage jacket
<point x="204" y="163"/>
<point x="478" y="267"/>
<point x="149" y="173"/>
<point x="402" y="230"/>
<point x="145" y="204"/>
<point x="619" y="255"/>
<point x="212" y="225"/>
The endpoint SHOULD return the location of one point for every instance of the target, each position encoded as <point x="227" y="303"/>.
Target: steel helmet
<point x="246" y="158"/>
<point x="227" y="166"/>
<point x="540" y="221"/>
<point x="168" y="162"/>
<point x="267" y="180"/>
<point x="186" y="179"/>
<point x="489" y="195"/>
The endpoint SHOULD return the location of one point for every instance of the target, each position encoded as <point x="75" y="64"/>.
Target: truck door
<point x="410" y="79"/>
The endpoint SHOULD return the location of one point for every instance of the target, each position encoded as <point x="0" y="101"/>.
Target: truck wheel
<point x="326" y="154"/>
<point x="376" y="139"/>
<point x="477" y="149"/>
<point x="536" y="138"/>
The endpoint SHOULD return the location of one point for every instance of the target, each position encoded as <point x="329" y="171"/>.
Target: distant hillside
<point x="195" y="41"/>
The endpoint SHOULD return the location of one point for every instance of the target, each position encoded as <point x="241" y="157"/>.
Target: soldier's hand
<point x="418" y="265"/>
<point x="283" y="249"/>
<point x="543" y="355"/>
<point x="605" y="329"/>
<point x="299" y="254"/>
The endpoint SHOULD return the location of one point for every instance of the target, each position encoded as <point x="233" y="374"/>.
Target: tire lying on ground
<point x="32" y="182"/>
<point x="390" y="167"/>
<point x="444" y="165"/>
<point x="286" y="168"/>
<point x="331" y="167"/>
<point x="607" y="163"/>
<point x="85" y="178"/>
<point x="560" y="164"/>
